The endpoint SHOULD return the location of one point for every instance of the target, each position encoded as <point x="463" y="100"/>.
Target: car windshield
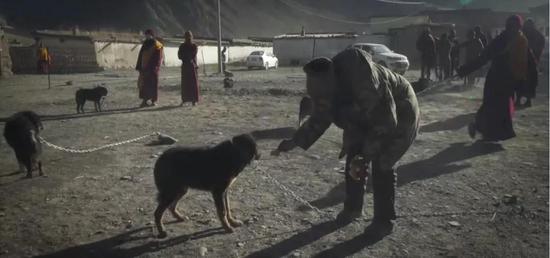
<point x="257" y="53"/>
<point x="378" y="49"/>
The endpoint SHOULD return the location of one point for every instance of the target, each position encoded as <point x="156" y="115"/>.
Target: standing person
<point x="508" y="54"/>
<point x="536" y="43"/>
<point x="224" y="57"/>
<point x="455" y="51"/>
<point x="187" y="53"/>
<point x="44" y="58"/>
<point x="480" y="35"/>
<point x="444" y="56"/>
<point x="148" y="65"/>
<point x="378" y="111"/>
<point x="473" y="47"/>
<point x="426" y="45"/>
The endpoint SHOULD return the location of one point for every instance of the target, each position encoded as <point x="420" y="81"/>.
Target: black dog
<point x="96" y="95"/>
<point x="210" y="169"/>
<point x="21" y="133"/>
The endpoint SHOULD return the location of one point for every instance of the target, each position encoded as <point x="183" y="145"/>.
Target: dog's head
<point x="34" y="118"/>
<point x="247" y="147"/>
<point x="101" y="90"/>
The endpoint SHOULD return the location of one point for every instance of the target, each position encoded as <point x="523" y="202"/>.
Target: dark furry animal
<point x="21" y="133"/>
<point x="210" y="169"/>
<point x="228" y="83"/>
<point x="306" y="108"/>
<point x="96" y="95"/>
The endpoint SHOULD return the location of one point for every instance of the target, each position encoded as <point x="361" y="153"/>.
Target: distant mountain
<point x="240" y="18"/>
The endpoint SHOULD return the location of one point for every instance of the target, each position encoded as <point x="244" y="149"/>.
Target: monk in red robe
<point x="509" y="57"/>
<point x="148" y="65"/>
<point x="187" y="53"/>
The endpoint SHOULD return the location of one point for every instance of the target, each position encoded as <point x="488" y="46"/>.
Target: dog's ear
<point x="320" y="65"/>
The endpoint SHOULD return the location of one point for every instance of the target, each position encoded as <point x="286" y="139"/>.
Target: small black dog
<point x="21" y="133"/>
<point x="96" y="95"/>
<point x="228" y="83"/>
<point x="210" y="169"/>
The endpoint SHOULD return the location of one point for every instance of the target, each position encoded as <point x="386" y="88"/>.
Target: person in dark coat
<point x="444" y="56"/>
<point x="426" y="45"/>
<point x="480" y="35"/>
<point x="536" y="43"/>
<point x="187" y="53"/>
<point x="508" y="54"/>
<point x="455" y="51"/>
<point x="379" y="113"/>
<point x="148" y="64"/>
<point x="473" y="48"/>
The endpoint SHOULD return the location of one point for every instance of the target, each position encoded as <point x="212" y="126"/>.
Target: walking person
<point x="473" y="48"/>
<point x="536" y="44"/>
<point x="444" y="56"/>
<point x="426" y="45"/>
<point x="379" y="113"/>
<point x="148" y="65"/>
<point x="508" y="54"/>
<point x="43" y="58"/>
<point x="187" y="53"/>
<point x="455" y="51"/>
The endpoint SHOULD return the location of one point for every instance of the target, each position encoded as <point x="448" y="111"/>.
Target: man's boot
<point x="355" y="190"/>
<point x="384" y="202"/>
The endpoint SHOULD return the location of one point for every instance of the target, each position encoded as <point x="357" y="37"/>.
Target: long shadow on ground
<point x="103" y="113"/>
<point x="111" y="247"/>
<point x="437" y="165"/>
<point x="454" y="123"/>
<point x="299" y="240"/>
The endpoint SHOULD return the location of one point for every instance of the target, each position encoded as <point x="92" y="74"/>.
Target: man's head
<point x="514" y="23"/>
<point x="149" y="34"/>
<point x="477" y="29"/>
<point x="529" y="24"/>
<point x="320" y="81"/>
<point x="188" y="36"/>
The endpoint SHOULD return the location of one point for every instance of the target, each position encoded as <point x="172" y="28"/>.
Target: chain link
<point x="96" y="148"/>
<point x="436" y="85"/>
<point x="293" y="194"/>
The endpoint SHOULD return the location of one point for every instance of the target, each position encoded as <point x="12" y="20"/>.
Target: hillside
<point x="240" y="18"/>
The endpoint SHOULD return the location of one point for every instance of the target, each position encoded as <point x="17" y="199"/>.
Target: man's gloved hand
<point x="284" y="146"/>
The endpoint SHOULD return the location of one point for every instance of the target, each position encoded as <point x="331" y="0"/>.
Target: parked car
<point x="384" y="56"/>
<point x="262" y="59"/>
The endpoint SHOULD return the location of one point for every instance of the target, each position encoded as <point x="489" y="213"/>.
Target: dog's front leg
<point x="221" y="208"/>
<point x="232" y="221"/>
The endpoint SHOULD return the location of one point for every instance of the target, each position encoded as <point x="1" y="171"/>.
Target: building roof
<point x="317" y="35"/>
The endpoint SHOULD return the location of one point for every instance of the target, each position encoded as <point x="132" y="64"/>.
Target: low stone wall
<point x="81" y="54"/>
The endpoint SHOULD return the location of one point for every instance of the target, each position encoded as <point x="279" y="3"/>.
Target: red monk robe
<point x="148" y="65"/>
<point x="187" y="53"/>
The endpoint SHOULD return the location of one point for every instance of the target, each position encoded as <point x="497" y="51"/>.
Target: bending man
<point x="378" y="111"/>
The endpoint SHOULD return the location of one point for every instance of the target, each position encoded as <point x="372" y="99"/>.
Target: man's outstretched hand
<point x="284" y="146"/>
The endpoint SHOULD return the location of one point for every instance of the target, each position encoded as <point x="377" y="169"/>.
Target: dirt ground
<point x="455" y="197"/>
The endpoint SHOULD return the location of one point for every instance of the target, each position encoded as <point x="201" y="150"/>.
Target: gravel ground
<point x="455" y="197"/>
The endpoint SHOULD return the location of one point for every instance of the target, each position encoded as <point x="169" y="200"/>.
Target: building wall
<point x="124" y="55"/>
<point x="69" y="55"/>
<point x="5" y="60"/>
<point x="115" y="55"/>
<point x="296" y="51"/>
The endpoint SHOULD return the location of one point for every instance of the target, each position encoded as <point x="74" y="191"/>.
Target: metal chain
<point x="436" y="85"/>
<point x="293" y="194"/>
<point x="96" y="148"/>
